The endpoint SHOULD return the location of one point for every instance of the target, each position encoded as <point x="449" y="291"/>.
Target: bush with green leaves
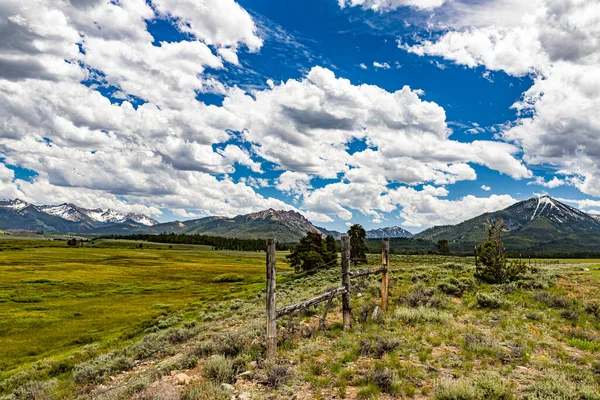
<point x="454" y="286"/>
<point x="219" y="369"/>
<point x="230" y="277"/>
<point x="100" y="368"/>
<point x="420" y="315"/>
<point x="487" y="386"/>
<point x="378" y="346"/>
<point x="490" y="300"/>
<point x="419" y="297"/>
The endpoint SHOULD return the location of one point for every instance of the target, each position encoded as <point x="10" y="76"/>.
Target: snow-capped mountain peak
<point x="74" y="213"/>
<point x="16" y="204"/>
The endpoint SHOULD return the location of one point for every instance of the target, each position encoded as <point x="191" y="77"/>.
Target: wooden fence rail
<point x="345" y="290"/>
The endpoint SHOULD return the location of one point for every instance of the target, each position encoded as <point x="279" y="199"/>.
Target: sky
<point x="408" y="113"/>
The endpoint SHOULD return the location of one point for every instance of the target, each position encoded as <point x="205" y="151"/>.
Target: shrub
<point x="371" y="391"/>
<point x="231" y="277"/>
<point x="419" y="297"/>
<point x="455" y="266"/>
<point x="454" y="286"/>
<point x="205" y="390"/>
<point x="490" y="387"/>
<point x="483" y="387"/>
<point x="593" y="309"/>
<point x="551" y="386"/>
<point x="378" y="347"/>
<point x="438" y="301"/>
<point x="459" y="389"/>
<point x="179" y="335"/>
<point x="419" y="315"/>
<point x="277" y="376"/>
<point x="477" y="343"/>
<point x="219" y="369"/>
<point x="150" y="345"/>
<point x="100" y="368"/>
<point x="206" y="348"/>
<point x="490" y="300"/>
<point x="366" y="310"/>
<point x="552" y="301"/>
<point x="34" y="390"/>
<point x="229" y="344"/>
<point x="384" y="379"/>
<point x="570" y="314"/>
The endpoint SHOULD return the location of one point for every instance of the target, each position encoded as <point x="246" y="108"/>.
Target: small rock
<point x="182" y="379"/>
<point x="245" y="375"/>
<point x="173" y="373"/>
<point x="586" y="269"/>
<point x="227" y="387"/>
<point x="253" y="364"/>
<point x="245" y="396"/>
<point x="375" y="313"/>
<point x="112" y="378"/>
<point x="359" y="295"/>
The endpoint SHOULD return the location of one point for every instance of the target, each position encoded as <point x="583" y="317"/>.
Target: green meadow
<point x="54" y="300"/>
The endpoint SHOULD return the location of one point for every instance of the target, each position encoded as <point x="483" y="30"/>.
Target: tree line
<point x="216" y="242"/>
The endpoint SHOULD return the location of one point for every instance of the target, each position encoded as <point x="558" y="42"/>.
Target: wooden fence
<point x="345" y="290"/>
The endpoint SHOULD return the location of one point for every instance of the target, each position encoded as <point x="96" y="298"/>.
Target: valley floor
<point x="445" y="336"/>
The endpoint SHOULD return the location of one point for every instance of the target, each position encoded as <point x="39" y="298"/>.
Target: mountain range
<point x="20" y="215"/>
<point x="538" y="224"/>
<point x="285" y="226"/>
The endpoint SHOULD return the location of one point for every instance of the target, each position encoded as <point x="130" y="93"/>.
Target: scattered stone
<point x="173" y="373"/>
<point x="586" y="269"/>
<point x="245" y="375"/>
<point x="245" y="396"/>
<point x="253" y="364"/>
<point x="182" y="379"/>
<point x="227" y="387"/>
<point x="359" y="295"/>
<point x="375" y="313"/>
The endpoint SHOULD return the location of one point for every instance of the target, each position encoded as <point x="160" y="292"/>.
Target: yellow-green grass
<point x="55" y="300"/>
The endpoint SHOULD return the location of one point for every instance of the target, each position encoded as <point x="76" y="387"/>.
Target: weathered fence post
<point x="346" y="311"/>
<point x="385" y="275"/>
<point x="271" y="303"/>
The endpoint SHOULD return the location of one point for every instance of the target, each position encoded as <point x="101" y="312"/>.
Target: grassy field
<point x="54" y="300"/>
<point x="153" y="313"/>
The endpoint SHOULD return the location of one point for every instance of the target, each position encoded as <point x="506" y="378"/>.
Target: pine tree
<point x="358" y="248"/>
<point x="443" y="247"/>
<point x="330" y="255"/>
<point x="492" y="255"/>
<point x="309" y="254"/>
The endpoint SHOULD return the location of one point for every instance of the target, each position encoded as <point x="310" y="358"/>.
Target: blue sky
<point x="382" y="112"/>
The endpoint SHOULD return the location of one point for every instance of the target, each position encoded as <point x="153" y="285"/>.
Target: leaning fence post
<point x="346" y="311"/>
<point x="385" y="275"/>
<point x="271" y="303"/>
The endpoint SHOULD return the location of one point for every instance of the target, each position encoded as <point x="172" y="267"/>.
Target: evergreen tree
<point x="330" y="256"/>
<point x="495" y="267"/>
<point x="309" y="254"/>
<point x="443" y="247"/>
<point x="358" y="248"/>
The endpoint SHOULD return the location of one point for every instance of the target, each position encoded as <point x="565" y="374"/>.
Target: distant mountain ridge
<point x="380" y="233"/>
<point x="66" y="217"/>
<point x="536" y="224"/>
<point x="389" y="232"/>
<point x="285" y="226"/>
